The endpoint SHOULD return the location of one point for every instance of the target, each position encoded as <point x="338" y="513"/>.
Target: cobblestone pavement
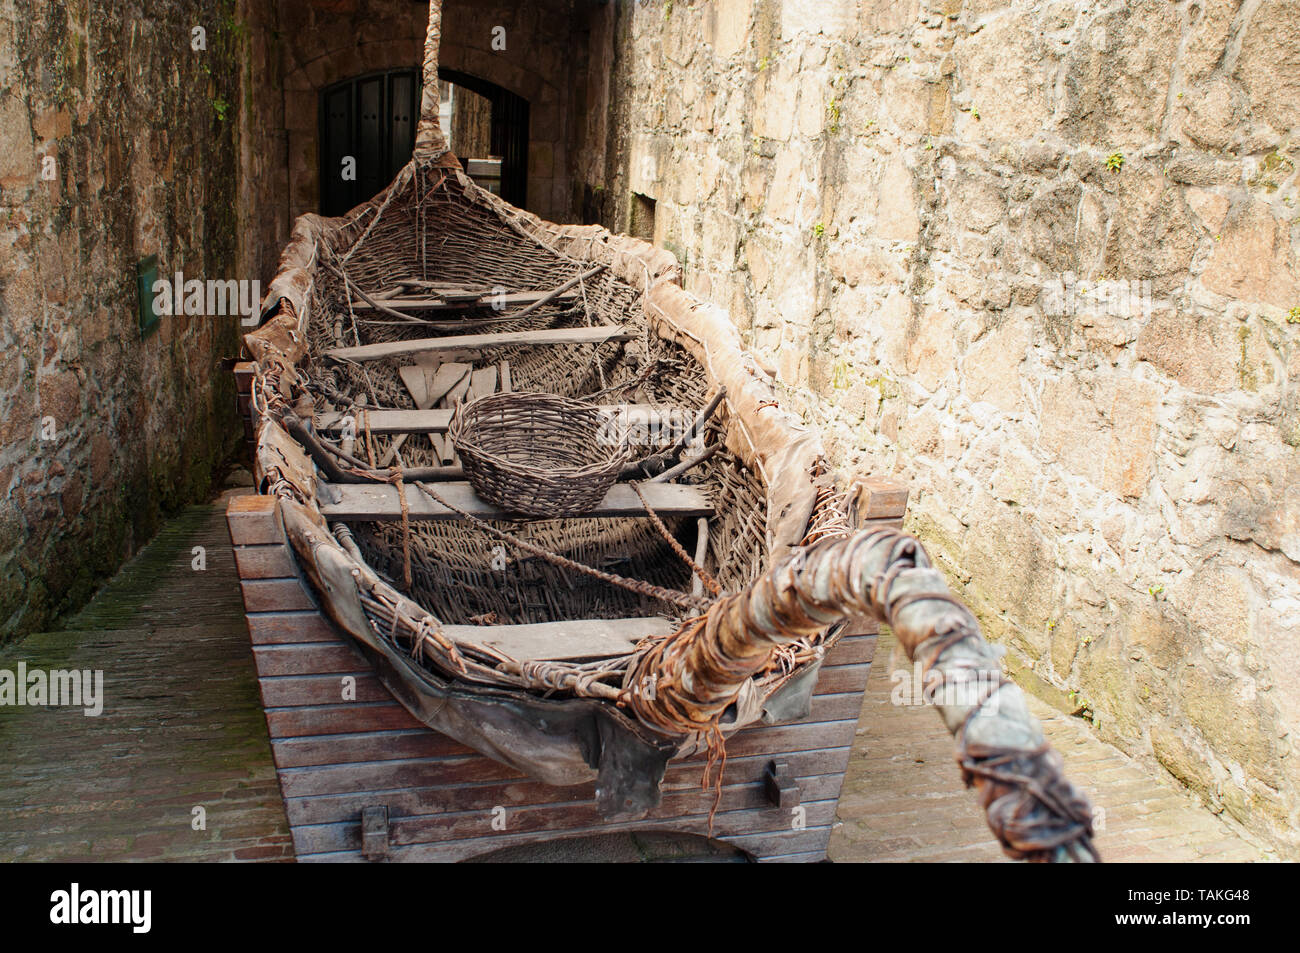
<point x="182" y="727"/>
<point x="182" y="724"/>
<point x="903" y="798"/>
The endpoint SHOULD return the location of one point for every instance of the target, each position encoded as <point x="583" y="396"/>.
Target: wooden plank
<point x="346" y="778"/>
<point x="264" y="562"/>
<point x="834" y="707"/>
<point x="390" y="775"/>
<point x="412" y="376"/>
<point x="296" y="748"/>
<point x="776" y="843"/>
<point x="338" y="719"/>
<point x="252" y="521"/>
<point x="850" y="651"/>
<point x="637" y="416"/>
<point x="456" y="393"/>
<point x="447" y="377"/>
<point x="755" y="826"/>
<point x="460" y="823"/>
<point x="568" y="640"/>
<point x="508" y="301"/>
<point x="244" y="371"/>
<point x="506" y="384"/>
<point x="308" y="659"/>
<point x="483" y="382"/>
<point x="439" y="797"/>
<point x="366" y="502"/>
<point x="273" y="628"/>
<point x="270" y="595"/>
<point x="549" y="336"/>
<point x="843" y="678"/>
<point x="291" y="690"/>
<point x="310" y="689"/>
<point x="879" y="498"/>
<point x="397" y="745"/>
<point x="803" y="857"/>
<point x="796" y="737"/>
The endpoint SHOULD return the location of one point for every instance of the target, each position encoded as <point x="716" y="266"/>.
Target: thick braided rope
<point x="698" y="672"/>
<point x="710" y="583"/>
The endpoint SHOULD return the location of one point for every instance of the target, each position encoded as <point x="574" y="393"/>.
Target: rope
<point x="395" y="478"/>
<point x="680" y="599"/>
<point x="700" y="571"/>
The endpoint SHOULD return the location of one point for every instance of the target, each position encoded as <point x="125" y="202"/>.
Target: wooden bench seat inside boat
<point x="380" y="502"/>
<point x="630" y="416"/>
<point x="549" y="336"/>
<point x="571" y="640"/>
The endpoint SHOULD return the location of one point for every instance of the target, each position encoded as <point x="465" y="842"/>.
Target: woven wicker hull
<point x="561" y="721"/>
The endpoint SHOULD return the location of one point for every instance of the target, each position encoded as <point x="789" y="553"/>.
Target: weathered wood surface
<point x="572" y="639"/>
<point x="337" y="757"/>
<point x="547" y="337"/>
<point x="638" y="416"/>
<point x="367" y="502"/>
<point x="510" y="300"/>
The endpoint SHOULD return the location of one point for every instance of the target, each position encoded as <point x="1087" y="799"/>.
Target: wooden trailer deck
<point x="364" y="780"/>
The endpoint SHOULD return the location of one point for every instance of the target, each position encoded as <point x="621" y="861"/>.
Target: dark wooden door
<point x="371" y="121"/>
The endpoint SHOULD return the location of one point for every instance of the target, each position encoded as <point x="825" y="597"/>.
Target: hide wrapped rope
<point x="1033" y="810"/>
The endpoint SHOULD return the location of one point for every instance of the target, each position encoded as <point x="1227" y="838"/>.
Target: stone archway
<point x="327" y="50"/>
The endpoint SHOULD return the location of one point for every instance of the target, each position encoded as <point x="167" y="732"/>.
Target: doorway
<point x="367" y="133"/>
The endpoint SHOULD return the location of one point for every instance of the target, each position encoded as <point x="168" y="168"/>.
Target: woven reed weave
<point x="538" y="454"/>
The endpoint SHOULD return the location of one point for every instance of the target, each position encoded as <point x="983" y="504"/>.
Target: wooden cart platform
<point x="362" y="779"/>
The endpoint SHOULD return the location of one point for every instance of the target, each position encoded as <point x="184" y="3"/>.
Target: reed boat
<point x="564" y="515"/>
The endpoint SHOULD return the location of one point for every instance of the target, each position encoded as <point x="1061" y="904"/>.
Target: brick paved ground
<point x="903" y="799"/>
<point x="182" y="723"/>
<point x="183" y="726"/>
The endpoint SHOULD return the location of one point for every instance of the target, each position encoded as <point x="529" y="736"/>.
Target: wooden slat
<point x="549" y="336"/>
<point x="567" y="640"/>
<point x="777" y="843"/>
<point x="856" y="651"/>
<point x="273" y="628"/>
<point x="819" y="816"/>
<point x="252" y="521"/>
<point x="483" y="382"/>
<point x="880" y="499"/>
<point x="365" y="502"/>
<point x="506" y="302"/>
<point x="244" y="371"/>
<point x="843" y="678"/>
<point x="307" y="660"/>
<point x="437" y="421"/>
<point x="439" y="797"/>
<point x="338" y="719"/>
<point x="541" y="817"/>
<point x="345" y="778"/>
<point x="268" y="595"/>
<point x="264" y="562"/>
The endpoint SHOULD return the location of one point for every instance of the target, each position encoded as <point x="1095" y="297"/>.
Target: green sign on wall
<point x="146" y="275"/>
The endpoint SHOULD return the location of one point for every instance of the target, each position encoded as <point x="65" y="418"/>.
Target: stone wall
<point x="1039" y="260"/>
<point x="118" y="142"/>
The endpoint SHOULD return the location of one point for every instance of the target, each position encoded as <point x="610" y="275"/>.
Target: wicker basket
<point x="538" y="454"/>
